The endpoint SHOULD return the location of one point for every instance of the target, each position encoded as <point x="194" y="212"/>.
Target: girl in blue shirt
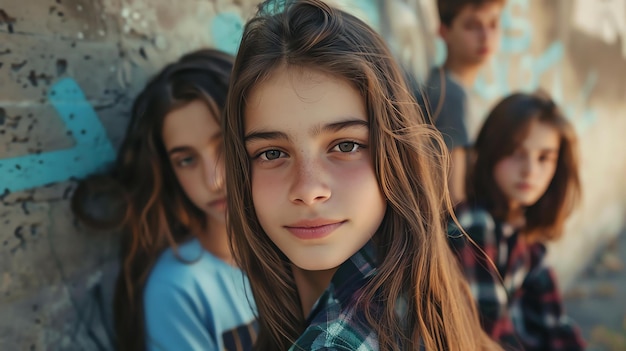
<point x="178" y="287"/>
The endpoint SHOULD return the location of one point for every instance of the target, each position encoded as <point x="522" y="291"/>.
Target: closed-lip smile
<point x="218" y="202"/>
<point x="314" y="229"/>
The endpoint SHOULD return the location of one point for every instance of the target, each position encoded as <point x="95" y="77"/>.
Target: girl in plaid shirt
<point x="337" y="192"/>
<point x="521" y="188"/>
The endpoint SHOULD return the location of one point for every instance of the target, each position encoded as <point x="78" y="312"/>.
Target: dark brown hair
<point x="449" y="9"/>
<point x="142" y="190"/>
<point x="503" y="131"/>
<point x="409" y="159"/>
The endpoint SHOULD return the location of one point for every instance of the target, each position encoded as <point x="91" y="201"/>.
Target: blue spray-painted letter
<point x="92" y="150"/>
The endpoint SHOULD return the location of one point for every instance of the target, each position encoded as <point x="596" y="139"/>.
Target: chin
<point x="216" y="217"/>
<point x="316" y="264"/>
<point x="481" y="59"/>
<point x="527" y="202"/>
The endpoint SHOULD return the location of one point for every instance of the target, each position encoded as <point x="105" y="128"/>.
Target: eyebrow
<point x="337" y="126"/>
<point x="184" y="148"/>
<point x="315" y="131"/>
<point x="550" y="150"/>
<point x="178" y="149"/>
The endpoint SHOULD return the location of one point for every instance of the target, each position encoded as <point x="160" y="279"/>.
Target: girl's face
<point x="524" y="176"/>
<point x="193" y="142"/>
<point x="313" y="184"/>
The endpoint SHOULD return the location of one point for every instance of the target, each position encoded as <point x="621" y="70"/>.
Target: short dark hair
<point x="449" y="9"/>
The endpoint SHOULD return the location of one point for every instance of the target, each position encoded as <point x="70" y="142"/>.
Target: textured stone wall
<point x="69" y="70"/>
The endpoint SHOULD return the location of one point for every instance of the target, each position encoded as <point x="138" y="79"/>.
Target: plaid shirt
<point x="523" y="310"/>
<point x="334" y="323"/>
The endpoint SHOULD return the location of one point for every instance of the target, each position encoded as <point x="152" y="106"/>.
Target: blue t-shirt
<point x="197" y="303"/>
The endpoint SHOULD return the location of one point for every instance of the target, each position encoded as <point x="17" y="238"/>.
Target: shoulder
<point x="478" y="224"/>
<point x="472" y="217"/>
<point x="180" y="265"/>
<point x="441" y="83"/>
<point x="193" y="271"/>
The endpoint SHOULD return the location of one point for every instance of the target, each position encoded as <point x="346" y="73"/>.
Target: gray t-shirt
<point x="444" y="100"/>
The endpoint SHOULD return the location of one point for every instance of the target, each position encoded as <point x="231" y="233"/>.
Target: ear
<point x="443" y="31"/>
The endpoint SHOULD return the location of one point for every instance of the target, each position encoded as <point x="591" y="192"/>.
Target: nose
<point x="529" y="166"/>
<point x="483" y="33"/>
<point x="486" y="34"/>
<point x="214" y="173"/>
<point x="309" y="185"/>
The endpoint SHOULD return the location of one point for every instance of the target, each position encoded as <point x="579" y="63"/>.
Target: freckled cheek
<point x="266" y="188"/>
<point x="357" y="179"/>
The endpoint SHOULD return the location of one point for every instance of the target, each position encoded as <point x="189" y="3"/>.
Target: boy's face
<point x="474" y="34"/>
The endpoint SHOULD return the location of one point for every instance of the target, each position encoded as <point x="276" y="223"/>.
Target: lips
<point x="221" y="202"/>
<point x="314" y="229"/>
<point x="523" y="186"/>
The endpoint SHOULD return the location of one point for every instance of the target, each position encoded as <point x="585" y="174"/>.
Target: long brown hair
<point x="152" y="208"/>
<point x="410" y="162"/>
<point x="505" y="128"/>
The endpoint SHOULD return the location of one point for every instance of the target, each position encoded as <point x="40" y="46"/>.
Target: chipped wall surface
<point x="69" y="70"/>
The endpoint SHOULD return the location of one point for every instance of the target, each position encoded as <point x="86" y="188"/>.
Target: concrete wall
<point x="69" y="70"/>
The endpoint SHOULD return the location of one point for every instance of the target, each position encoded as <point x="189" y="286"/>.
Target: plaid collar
<point x="347" y="280"/>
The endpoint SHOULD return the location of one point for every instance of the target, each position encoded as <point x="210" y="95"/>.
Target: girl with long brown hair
<point x="178" y="287"/>
<point x="522" y="187"/>
<point x="337" y="191"/>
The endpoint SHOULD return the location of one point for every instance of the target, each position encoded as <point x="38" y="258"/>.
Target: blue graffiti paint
<point x="516" y="41"/>
<point x="517" y="30"/>
<point x="90" y="153"/>
<point x="440" y="52"/>
<point x="227" y="29"/>
<point x="371" y="9"/>
<point x="588" y="117"/>
<point x="537" y="66"/>
<point x="529" y="73"/>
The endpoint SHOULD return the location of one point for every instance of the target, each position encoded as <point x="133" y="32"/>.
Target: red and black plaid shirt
<point x="519" y="300"/>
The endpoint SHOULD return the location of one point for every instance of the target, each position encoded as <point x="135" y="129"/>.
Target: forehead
<point x="295" y="97"/>
<point x="541" y="136"/>
<point x="188" y="123"/>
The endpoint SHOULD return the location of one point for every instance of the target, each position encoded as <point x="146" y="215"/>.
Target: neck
<point x="214" y="239"/>
<point x="516" y="216"/>
<point x="311" y="285"/>
<point x="465" y="73"/>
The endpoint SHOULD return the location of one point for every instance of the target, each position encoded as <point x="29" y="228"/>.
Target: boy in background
<point x="470" y="30"/>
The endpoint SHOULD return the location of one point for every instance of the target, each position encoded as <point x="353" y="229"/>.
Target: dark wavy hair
<point x="142" y="195"/>
<point x="505" y="128"/>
